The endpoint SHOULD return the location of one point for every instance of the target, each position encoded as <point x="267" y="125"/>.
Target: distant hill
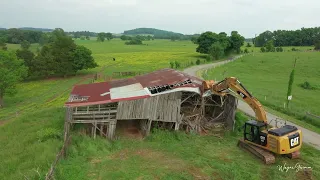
<point x="2" y="28"/>
<point x="36" y="29"/>
<point x="157" y="33"/>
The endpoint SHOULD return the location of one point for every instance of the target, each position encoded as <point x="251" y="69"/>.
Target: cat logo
<point x="294" y="142"/>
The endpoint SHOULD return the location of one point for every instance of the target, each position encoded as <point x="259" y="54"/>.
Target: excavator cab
<point x="253" y="132"/>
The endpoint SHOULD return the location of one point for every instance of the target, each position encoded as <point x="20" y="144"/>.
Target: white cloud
<point x="249" y="17"/>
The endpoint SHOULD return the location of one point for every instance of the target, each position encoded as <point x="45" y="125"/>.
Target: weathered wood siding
<point x="164" y="107"/>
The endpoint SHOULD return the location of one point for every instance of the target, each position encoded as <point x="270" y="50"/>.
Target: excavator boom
<point x="257" y="140"/>
<point x="234" y="85"/>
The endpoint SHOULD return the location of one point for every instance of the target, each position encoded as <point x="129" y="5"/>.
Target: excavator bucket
<point x="208" y="84"/>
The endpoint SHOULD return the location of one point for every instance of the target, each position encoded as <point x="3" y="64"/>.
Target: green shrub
<point x="177" y="64"/>
<point x="307" y="85"/>
<point x="192" y="63"/>
<point x="134" y="41"/>
<point x="280" y="49"/>
<point x="198" y="62"/>
<point x="172" y="65"/>
<point x="48" y="133"/>
<point x="262" y="49"/>
<point x="246" y="51"/>
<point x="208" y="58"/>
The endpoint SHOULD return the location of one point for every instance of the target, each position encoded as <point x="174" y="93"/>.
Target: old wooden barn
<point x="167" y="98"/>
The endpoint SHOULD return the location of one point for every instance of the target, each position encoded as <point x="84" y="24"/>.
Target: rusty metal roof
<point x="143" y="86"/>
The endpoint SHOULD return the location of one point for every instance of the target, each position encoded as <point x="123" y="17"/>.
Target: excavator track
<point x="264" y="155"/>
<point x="294" y="155"/>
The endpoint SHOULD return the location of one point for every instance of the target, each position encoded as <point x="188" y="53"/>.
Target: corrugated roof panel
<point x="129" y="88"/>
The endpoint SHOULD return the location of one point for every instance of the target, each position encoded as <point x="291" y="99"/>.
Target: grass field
<point x="174" y="155"/>
<point x="31" y="125"/>
<point x="36" y="112"/>
<point x="266" y="76"/>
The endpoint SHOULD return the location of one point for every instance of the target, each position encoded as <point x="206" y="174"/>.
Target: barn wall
<point x="164" y="107"/>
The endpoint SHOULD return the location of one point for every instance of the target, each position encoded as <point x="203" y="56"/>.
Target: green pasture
<point x="31" y="125"/>
<point x="266" y="76"/>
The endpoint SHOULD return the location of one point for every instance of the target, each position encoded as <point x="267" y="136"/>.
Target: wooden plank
<point x="90" y="121"/>
<point x="94" y="112"/>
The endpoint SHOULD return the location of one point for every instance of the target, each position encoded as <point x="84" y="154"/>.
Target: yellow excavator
<point x="259" y="138"/>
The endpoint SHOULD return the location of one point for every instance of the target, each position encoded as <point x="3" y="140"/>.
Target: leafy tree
<point x="12" y="70"/>
<point x="109" y="36"/>
<point x="205" y="41"/>
<point x="225" y="42"/>
<point x="44" y="39"/>
<point x="317" y="45"/>
<point x="262" y="49"/>
<point x="216" y="50"/>
<point x="82" y="38"/>
<point x="62" y="49"/>
<point x="3" y="45"/>
<point x="25" y="44"/>
<point x="263" y="38"/>
<point x="27" y="56"/>
<point x="291" y="79"/>
<point x="101" y="37"/>
<point x="194" y="39"/>
<point x="236" y="41"/>
<point x="134" y="41"/>
<point x="82" y="59"/>
<point x="124" y="37"/>
<point x="43" y="65"/>
<point x="87" y="37"/>
<point x="269" y="46"/>
<point x="149" y="37"/>
<point x="248" y="45"/>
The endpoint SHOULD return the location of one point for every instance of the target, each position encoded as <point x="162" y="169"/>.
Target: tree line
<point x="16" y="36"/>
<point x="218" y="45"/>
<point x="300" y="37"/>
<point x="59" y="56"/>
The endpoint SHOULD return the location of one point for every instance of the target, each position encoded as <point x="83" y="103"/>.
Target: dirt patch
<point x="122" y="155"/>
<point x="129" y="129"/>
<point x="95" y="161"/>
<point x="216" y="175"/>
<point x="224" y="157"/>
<point x="3" y="122"/>
<point x="197" y="173"/>
<point x="304" y="174"/>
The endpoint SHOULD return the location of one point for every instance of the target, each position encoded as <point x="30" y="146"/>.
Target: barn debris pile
<point x="168" y="97"/>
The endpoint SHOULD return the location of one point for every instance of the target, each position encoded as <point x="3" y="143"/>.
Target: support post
<point x="176" y="127"/>
<point x="112" y="127"/>
<point x="101" y="129"/>
<point x="148" y="127"/>
<point x="95" y="130"/>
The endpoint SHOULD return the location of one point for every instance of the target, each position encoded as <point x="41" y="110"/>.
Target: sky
<point x="248" y="17"/>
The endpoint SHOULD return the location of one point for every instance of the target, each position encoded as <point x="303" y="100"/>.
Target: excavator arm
<point x="232" y="84"/>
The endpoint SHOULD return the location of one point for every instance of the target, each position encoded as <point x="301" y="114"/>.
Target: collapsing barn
<point x="166" y="98"/>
